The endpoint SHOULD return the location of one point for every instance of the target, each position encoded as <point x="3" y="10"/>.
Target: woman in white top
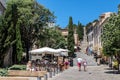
<point x="29" y="66"/>
<point x="79" y="62"/>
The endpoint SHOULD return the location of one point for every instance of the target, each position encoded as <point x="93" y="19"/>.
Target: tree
<point x="80" y="31"/>
<point x="22" y="25"/>
<point x="108" y="36"/>
<point x="3" y="33"/>
<point x="10" y="21"/>
<point x="52" y="38"/>
<point x="88" y="27"/>
<point x="111" y="36"/>
<point x="59" y="41"/>
<point x="33" y="31"/>
<point x="70" y="39"/>
<point x="19" y="48"/>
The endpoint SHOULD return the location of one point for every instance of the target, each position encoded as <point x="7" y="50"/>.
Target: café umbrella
<point x="63" y="52"/>
<point x="44" y="50"/>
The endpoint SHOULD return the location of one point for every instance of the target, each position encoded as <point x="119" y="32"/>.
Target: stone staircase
<point x="84" y="44"/>
<point x="90" y="60"/>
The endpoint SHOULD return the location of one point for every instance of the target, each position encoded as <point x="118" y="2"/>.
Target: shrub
<point x="115" y="64"/>
<point x="3" y="72"/>
<point x="17" y="67"/>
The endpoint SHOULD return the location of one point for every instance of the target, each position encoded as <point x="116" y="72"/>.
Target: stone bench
<point x="13" y="78"/>
<point x="23" y="73"/>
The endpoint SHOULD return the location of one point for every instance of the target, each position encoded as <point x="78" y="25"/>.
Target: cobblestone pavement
<point x="93" y="73"/>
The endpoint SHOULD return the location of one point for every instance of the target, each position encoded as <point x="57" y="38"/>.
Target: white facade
<point x="91" y="36"/>
<point x="98" y="31"/>
<point x="95" y="32"/>
<point x="90" y="39"/>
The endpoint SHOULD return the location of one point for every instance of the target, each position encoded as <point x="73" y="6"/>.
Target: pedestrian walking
<point x="66" y="64"/>
<point x="79" y="62"/>
<point x="90" y="51"/>
<point x="87" y="50"/>
<point x="84" y="64"/>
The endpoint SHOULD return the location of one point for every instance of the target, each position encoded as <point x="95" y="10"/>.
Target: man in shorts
<point x="79" y="62"/>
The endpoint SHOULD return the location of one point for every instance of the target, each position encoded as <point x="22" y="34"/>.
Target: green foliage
<point x="3" y="72"/>
<point x="80" y="31"/>
<point x="88" y="27"/>
<point x="115" y="64"/>
<point x="70" y="39"/>
<point x="111" y="35"/>
<point x="17" y="67"/>
<point x="12" y="18"/>
<point x="32" y="28"/>
<point x="21" y="26"/>
<point x="2" y="35"/>
<point x="52" y="38"/>
<point x="111" y="38"/>
<point x="19" y="49"/>
<point x="60" y="42"/>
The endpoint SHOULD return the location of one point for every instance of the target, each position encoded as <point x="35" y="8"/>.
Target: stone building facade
<point x="94" y="35"/>
<point x="2" y="6"/>
<point x="95" y="32"/>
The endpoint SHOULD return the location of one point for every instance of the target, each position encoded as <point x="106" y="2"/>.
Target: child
<point x="84" y="64"/>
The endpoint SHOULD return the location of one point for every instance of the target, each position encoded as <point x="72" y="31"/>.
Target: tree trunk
<point x="110" y="61"/>
<point x="118" y="59"/>
<point x="118" y="67"/>
<point x="27" y="52"/>
<point x="8" y="57"/>
<point x="14" y="55"/>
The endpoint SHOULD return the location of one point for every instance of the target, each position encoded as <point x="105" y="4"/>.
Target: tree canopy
<point x="111" y="37"/>
<point x="21" y="26"/>
<point x="80" y="31"/>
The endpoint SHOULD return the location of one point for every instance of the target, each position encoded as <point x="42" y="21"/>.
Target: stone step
<point x="90" y="60"/>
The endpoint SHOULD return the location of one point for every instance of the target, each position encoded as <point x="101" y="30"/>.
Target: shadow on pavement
<point x="112" y="72"/>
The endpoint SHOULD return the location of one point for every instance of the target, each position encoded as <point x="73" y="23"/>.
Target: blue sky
<point x="84" y="11"/>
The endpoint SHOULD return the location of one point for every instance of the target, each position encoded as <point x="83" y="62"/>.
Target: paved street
<point x="92" y="73"/>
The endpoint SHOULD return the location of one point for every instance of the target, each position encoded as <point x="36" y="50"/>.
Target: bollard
<point x="38" y="78"/>
<point x="46" y="77"/>
<point x="53" y="71"/>
<point x="50" y="74"/>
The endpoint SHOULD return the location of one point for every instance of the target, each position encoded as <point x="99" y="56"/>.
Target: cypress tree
<point x="80" y="31"/>
<point x="18" y="43"/>
<point x="70" y="38"/>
